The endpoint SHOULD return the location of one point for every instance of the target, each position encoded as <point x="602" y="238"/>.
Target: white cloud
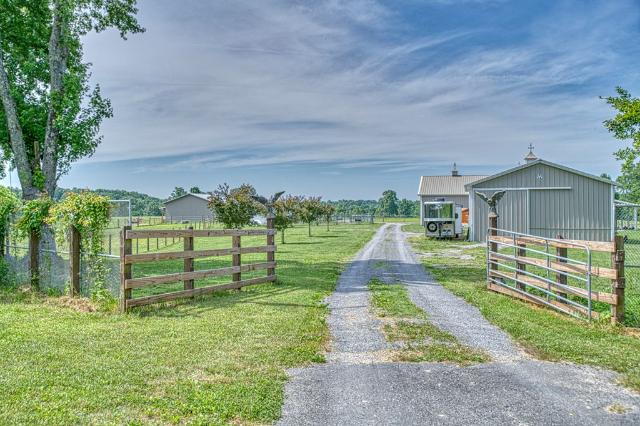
<point x="299" y="83"/>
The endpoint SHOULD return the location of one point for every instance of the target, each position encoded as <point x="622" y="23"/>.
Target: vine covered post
<point x="618" y="284"/>
<point x="74" y="260"/>
<point x="34" y="260"/>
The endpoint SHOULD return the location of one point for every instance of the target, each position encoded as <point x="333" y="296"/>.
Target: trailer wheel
<point x="432" y="227"/>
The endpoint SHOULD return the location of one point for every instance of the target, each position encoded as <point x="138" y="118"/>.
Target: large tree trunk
<point x="16" y="137"/>
<point x="57" y="68"/>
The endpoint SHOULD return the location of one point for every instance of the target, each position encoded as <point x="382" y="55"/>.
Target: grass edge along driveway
<point x="215" y="360"/>
<point x="544" y="333"/>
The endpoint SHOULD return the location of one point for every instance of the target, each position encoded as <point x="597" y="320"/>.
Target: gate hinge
<point x="619" y="256"/>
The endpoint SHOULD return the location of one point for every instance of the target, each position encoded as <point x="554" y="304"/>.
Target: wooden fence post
<point x="126" y="248"/>
<point x="236" y="257"/>
<point x="271" y="241"/>
<point x="110" y="244"/>
<point x="561" y="278"/>
<point x="74" y="261"/>
<point x="34" y="259"/>
<point x="618" y="284"/>
<point x="188" y="262"/>
<point x="493" y="247"/>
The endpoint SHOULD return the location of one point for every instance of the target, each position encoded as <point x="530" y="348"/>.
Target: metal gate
<point x="556" y="273"/>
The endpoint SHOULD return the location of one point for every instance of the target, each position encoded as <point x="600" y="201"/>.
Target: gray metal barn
<point x="546" y="199"/>
<point x="192" y="207"/>
<point x="449" y="188"/>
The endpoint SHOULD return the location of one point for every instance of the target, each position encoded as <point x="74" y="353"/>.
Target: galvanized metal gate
<point x="556" y="273"/>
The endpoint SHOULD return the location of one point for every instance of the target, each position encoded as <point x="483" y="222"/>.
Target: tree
<point x="625" y="125"/>
<point x="309" y="210"/>
<point x="234" y="208"/>
<point x="178" y="191"/>
<point x="286" y="209"/>
<point x="388" y="203"/>
<point x="50" y="114"/>
<point x="408" y="208"/>
<point x="195" y="190"/>
<point x="327" y="213"/>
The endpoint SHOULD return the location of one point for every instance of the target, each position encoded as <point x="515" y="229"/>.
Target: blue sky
<point x="347" y="98"/>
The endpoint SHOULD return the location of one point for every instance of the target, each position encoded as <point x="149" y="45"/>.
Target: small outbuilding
<point x="545" y="199"/>
<point x="445" y="188"/>
<point x="191" y="207"/>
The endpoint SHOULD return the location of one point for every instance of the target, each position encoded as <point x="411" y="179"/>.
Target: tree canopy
<point x="625" y="126"/>
<point x="51" y="115"/>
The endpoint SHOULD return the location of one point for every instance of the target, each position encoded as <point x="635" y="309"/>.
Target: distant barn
<point x="546" y="199"/>
<point x="448" y="188"/>
<point x="191" y="207"/>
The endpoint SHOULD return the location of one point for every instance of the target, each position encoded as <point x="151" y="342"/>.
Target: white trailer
<point x="442" y="219"/>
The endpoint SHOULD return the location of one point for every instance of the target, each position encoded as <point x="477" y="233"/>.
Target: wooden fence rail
<point x="548" y="281"/>
<point x="188" y="275"/>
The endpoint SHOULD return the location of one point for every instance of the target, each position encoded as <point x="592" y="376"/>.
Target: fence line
<point x="188" y="275"/>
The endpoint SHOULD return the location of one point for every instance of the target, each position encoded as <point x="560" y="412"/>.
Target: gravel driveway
<point x="360" y="386"/>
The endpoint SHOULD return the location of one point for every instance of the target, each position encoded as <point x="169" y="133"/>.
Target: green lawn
<point x="546" y="334"/>
<point x="217" y="359"/>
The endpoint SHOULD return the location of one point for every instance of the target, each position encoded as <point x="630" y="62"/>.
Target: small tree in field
<point x="234" y="208"/>
<point x="310" y="210"/>
<point x="286" y="210"/>
<point x="327" y="213"/>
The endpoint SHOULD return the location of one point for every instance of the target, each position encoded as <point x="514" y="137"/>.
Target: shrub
<point x="234" y="208"/>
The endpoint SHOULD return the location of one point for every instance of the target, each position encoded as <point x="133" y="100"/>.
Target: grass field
<point x="544" y="333"/>
<point x="217" y="359"/>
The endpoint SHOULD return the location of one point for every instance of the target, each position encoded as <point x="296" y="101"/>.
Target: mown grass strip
<point x="408" y="325"/>
<point x="216" y="359"/>
<point x="545" y="333"/>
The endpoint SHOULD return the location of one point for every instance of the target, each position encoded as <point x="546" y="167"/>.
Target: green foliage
<point x="626" y="126"/>
<point x="35" y="215"/>
<point x="9" y="205"/>
<point x="327" y="213"/>
<point x="195" y="190"/>
<point x="141" y="204"/>
<point x="78" y="108"/>
<point x="88" y="212"/>
<point x="234" y="208"/>
<point x="351" y="207"/>
<point x="286" y="211"/>
<point x="178" y="191"/>
<point x="409" y="208"/>
<point x="388" y="203"/>
<point x="310" y="210"/>
<point x="8" y="279"/>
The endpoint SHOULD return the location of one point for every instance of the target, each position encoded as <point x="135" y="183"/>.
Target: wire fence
<point x="627" y="226"/>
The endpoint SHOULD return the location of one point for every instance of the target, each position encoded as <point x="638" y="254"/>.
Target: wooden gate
<point x="188" y="275"/>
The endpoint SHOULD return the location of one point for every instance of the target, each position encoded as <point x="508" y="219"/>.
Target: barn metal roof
<point x="445" y="185"/>
<point x="545" y="162"/>
<point x="201" y="196"/>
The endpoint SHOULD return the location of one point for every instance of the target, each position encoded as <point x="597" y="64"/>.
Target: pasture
<point x="212" y="360"/>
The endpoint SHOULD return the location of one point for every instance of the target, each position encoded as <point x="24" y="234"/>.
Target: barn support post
<point x="74" y="261"/>
<point x="618" y="284"/>
<point x="126" y="248"/>
<point x="34" y="260"/>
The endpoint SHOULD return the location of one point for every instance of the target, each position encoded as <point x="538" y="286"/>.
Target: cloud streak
<point x="247" y="84"/>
